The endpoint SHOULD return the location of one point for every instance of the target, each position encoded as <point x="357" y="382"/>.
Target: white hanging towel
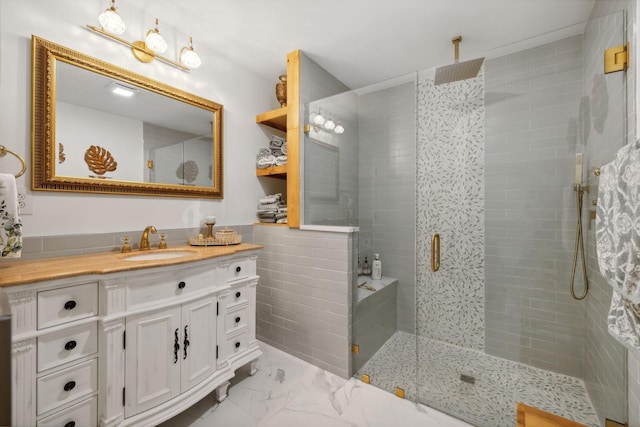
<point x="618" y="242"/>
<point x="10" y="223"/>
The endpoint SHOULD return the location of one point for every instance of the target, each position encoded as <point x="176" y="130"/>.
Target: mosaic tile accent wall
<point x="450" y="201"/>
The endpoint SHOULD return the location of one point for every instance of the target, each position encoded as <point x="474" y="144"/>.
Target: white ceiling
<point x="361" y="42"/>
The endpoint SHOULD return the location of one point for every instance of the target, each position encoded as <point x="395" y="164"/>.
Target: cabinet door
<point x="198" y="352"/>
<point x="152" y="370"/>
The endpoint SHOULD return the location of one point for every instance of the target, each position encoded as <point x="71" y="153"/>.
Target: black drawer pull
<point x="70" y="305"/>
<point x="181" y="285"/>
<point x="238" y="344"/>
<point x="70" y="345"/>
<point x="238" y="319"/>
<point x="238" y="269"/>
<point x="70" y="424"/>
<point x="69" y="386"/>
<point x="238" y="294"/>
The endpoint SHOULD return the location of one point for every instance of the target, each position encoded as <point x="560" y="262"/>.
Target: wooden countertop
<point x="29" y="271"/>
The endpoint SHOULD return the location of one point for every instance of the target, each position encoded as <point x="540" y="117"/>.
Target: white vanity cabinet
<point x="133" y="347"/>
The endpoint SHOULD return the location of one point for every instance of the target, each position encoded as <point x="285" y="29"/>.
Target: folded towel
<point x="270" y="206"/>
<point x="276" y="141"/>
<point x="618" y="242"/>
<point x="282" y="221"/>
<point x="273" y="198"/>
<point x="281" y="160"/>
<point x="276" y="152"/>
<point x="263" y="152"/>
<point x="265" y="162"/>
<point x="10" y="223"/>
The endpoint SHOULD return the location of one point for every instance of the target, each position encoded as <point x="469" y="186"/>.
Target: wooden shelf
<point x="276" y="119"/>
<point x="273" y="171"/>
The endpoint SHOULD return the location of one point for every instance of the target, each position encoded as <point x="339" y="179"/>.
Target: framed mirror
<point x="98" y="128"/>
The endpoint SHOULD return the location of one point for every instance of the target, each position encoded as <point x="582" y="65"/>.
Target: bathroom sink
<point x="152" y="256"/>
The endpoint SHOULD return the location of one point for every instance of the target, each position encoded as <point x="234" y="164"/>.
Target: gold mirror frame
<point x="43" y="121"/>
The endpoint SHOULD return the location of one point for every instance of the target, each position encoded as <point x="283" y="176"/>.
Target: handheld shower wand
<point x="579" y="237"/>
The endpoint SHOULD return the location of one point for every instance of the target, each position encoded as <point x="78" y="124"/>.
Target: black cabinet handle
<point x="70" y="424"/>
<point x="70" y="305"/>
<point x="176" y="347"/>
<point x="186" y="341"/>
<point x="238" y="319"/>
<point x="181" y="285"/>
<point x="238" y="269"/>
<point x="70" y="345"/>
<point x="238" y="294"/>
<point x="238" y="344"/>
<point x="69" y="386"/>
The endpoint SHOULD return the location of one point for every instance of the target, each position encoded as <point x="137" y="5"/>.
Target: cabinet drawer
<point x="84" y="414"/>
<point x="240" y="269"/>
<point x="67" y="304"/>
<point x="173" y="284"/>
<point x="239" y="295"/>
<point x="237" y="318"/>
<point x="237" y="342"/>
<point x="67" y="346"/>
<point x="66" y="385"/>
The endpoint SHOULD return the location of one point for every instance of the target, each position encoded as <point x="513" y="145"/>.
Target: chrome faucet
<point x="144" y="240"/>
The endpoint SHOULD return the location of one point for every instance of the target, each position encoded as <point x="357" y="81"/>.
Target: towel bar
<point x="4" y="150"/>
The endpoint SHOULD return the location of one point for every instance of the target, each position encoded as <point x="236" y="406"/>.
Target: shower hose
<point x="579" y="247"/>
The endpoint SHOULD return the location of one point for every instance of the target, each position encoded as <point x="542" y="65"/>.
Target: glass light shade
<point x="112" y="22"/>
<point x="329" y="124"/>
<point x="155" y="41"/>
<point x="339" y="129"/>
<point x="189" y="58"/>
<point x="318" y="119"/>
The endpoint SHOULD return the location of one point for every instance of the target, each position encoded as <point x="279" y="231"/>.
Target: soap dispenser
<point x="376" y="271"/>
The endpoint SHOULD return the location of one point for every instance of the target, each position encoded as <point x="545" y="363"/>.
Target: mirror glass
<point x="100" y="128"/>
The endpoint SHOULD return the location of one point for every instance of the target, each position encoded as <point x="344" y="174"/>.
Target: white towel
<point x="10" y="224"/>
<point x="618" y="241"/>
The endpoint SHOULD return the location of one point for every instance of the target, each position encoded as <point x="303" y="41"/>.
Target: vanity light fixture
<point x="319" y="122"/>
<point x="189" y="57"/>
<point x="153" y="45"/>
<point x="111" y="21"/>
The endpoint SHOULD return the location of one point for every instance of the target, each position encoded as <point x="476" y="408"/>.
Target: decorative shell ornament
<point x="188" y="171"/>
<point x="99" y="160"/>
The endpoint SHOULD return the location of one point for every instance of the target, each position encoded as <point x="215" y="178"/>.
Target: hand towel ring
<point x="4" y="150"/>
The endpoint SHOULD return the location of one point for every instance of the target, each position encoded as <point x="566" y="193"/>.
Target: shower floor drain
<point x="467" y="378"/>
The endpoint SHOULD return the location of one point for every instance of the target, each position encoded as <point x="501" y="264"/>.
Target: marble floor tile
<point x="289" y="392"/>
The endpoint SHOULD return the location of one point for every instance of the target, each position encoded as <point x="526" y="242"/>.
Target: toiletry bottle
<point x="359" y="267"/>
<point x="376" y="271"/>
<point x="366" y="270"/>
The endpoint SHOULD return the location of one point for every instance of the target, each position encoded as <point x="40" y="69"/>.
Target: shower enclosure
<point x="466" y="190"/>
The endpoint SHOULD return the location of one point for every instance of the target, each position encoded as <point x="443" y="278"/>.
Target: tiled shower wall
<point x="532" y="131"/>
<point x="387" y="189"/>
<point x="450" y="202"/>
<point x="304" y="297"/>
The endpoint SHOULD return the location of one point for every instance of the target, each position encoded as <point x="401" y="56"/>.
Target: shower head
<point x="458" y="70"/>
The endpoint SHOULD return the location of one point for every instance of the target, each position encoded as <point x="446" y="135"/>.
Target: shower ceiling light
<point x="339" y="129"/>
<point x="153" y="45"/>
<point x="318" y="119"/>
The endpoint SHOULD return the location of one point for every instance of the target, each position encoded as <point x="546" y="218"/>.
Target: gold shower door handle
<point x="435" y="252"/>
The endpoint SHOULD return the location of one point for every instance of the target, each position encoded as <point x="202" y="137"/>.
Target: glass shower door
<point x="495" y="172"/>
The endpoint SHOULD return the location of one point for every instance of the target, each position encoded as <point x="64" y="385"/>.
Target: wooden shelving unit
<point x="273" y="171"/>
<point x="286" y="119"/>
<point x="276" y="119"/>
